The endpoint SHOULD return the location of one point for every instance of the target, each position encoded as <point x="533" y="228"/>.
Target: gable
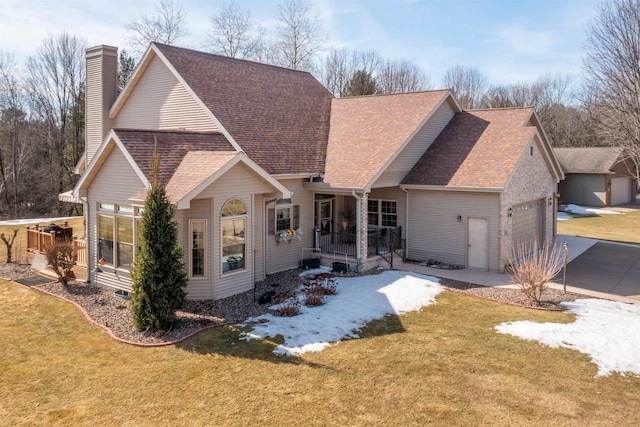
<point x="278" y="116"/>
<point x="421" y="141"/>
<point x="239" y="179"/>
<point x="532" y="177"/>
<point x="368" y="132"/>
<point x="159" y="101"/>
<point x="116" y="181"/>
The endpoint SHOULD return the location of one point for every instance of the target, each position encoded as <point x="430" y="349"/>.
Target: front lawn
<point x="620" y="228"/>
<point x="445" y="364"/>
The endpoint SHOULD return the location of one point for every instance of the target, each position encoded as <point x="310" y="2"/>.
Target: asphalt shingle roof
<point x="367" y="131"/>
<point x="588" y="159"/>
<point x="478" y="148"/>
<point x="278" y="116"/>
<point x="172" y="147"/>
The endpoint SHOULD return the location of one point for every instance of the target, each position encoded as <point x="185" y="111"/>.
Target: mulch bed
<point x="103" y="308"/>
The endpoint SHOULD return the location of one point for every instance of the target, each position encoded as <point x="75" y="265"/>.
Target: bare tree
<point x="11" y="97"/>
<point x="299" y="35"/>
<point x="235" y="34"/>
<point x="340" y="65"/>
<point x="613" y="75"/>
<point x="468" y="85"/>
<point x="401" y="76"/>
<point x="55" y="84"/>
<point x="167" y="25"/>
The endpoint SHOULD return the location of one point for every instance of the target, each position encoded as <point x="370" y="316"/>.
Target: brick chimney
<point x="101" y="91"/>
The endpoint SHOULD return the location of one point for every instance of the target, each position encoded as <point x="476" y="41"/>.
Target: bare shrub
<point x="289" y="307"/>
<point x="314" y="296"/>
<point x="532" y="265"/>
<point x="62" y="257"/>
<point x="328" y="286"/>
<point x="281" y="297"/>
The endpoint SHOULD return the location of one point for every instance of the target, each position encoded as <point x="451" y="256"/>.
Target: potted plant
<point x="347" y="216"/>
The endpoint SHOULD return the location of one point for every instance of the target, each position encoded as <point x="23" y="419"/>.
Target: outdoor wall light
<point x="459" y="218"/>
<point x="510" y="212"/>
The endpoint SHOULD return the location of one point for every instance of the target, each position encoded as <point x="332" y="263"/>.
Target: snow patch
<point x="608" y="331"/>
<point x="359" y="301"/>
<point x="315" y="271"/>
<point x="579" y="210"/>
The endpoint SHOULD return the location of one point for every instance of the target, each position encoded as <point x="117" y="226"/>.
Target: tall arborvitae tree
<point x="159" y="276"/>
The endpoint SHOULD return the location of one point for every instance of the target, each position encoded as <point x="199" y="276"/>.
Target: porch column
<point x="363" y="226"/>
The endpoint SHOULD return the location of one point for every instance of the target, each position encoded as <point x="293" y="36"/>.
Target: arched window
<point x="234" y="224"/>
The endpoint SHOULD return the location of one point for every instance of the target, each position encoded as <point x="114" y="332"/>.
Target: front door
<point x="324" y="216"/>
<point x="477" y="243"/>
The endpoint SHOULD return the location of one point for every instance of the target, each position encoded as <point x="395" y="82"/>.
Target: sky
<point x="510" y="41"/>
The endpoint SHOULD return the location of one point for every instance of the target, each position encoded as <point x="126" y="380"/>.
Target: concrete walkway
<point x="577" y="246"/>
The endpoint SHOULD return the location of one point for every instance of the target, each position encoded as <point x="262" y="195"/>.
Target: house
<point x="265" y="168"/>
<point x="596" y="176"/>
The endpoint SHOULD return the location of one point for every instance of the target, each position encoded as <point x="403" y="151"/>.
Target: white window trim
<point x="206" y="248"/>
<point x="113" y="213"/>
<point x="379" y="201"/>
<point x="245" y="217"/>
<point x="283" y="207"/>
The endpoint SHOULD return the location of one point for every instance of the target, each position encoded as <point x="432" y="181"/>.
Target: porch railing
<point x="385" y="242"/>
<point x="38" y="240"/>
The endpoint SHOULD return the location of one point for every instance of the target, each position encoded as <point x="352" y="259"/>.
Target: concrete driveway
<point x="607" y="267"/>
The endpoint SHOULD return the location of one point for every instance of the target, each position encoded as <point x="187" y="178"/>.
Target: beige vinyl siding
<point x="101" y="92"/>
<point x="199" y="287"/>
<point x="418" y="145"/>
<point x="242" y="183"/>
<point x="433" y="231"/>
<point x="259" y="236"/>
<point x="286" y="255"/>
<point x="114" y="183"/>
<point x="393" y="194"/>
<point x="160" y="101"/>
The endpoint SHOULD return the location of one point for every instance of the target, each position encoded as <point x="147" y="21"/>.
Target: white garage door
<point x="527" y="223"/>
<point x="620" y="191"/>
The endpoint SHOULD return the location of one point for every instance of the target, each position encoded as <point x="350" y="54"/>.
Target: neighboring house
<point x="596" y="176"/>
<point x="250" y="151"/>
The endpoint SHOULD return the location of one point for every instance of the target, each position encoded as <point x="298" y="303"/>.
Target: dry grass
<point x="618" y="228"/>
<point x="444" y="365"/>
<point x="20" y="245"/>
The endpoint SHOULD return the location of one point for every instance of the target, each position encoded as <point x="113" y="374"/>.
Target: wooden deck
<point x="38" y="240"/>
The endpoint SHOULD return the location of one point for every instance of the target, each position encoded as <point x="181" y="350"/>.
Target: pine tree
<point x="159" y="276"/>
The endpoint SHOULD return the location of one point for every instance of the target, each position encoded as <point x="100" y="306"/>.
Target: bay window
<point x="116" y="235"/>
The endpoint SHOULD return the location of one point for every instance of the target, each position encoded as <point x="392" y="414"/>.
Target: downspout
<point x="358" y="229"/>
<point x="266" y="234"/>
<point x="406" y="223"/>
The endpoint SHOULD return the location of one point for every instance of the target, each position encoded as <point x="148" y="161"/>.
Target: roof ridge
<point x="499" y="108"/>
<point x="184" y="131"/>
<point x="379" y="95"/>
<point x="223" y="57"/>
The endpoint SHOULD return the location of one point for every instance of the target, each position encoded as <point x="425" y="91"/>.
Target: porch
<point x="386" y="243"/>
